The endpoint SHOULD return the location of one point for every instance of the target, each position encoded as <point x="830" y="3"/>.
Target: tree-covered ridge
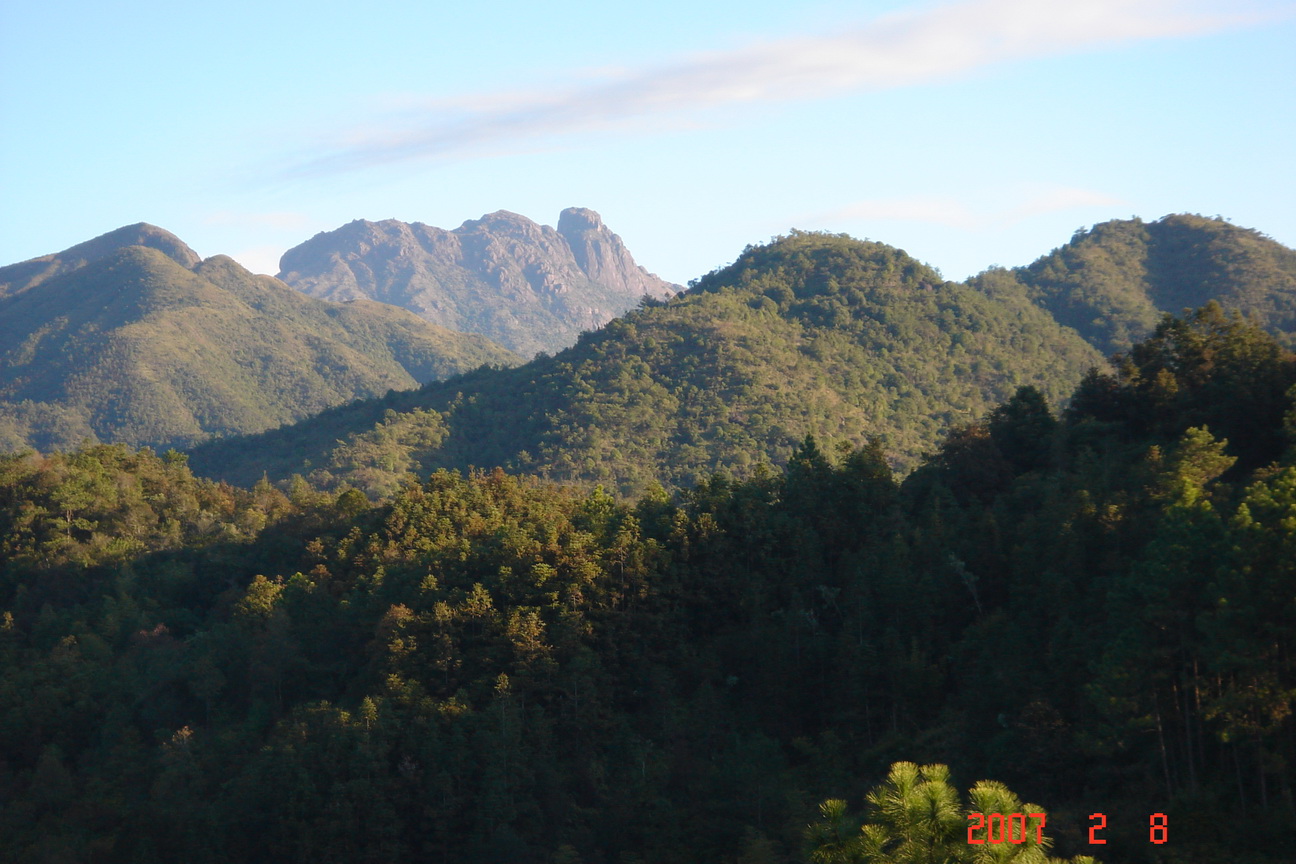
<point x="133" y="347"/>
<point x="812" y="333"/>
<point x="1113" y="282"/>
<point x="110" y="504"/>
<point x="1095" y="609"/>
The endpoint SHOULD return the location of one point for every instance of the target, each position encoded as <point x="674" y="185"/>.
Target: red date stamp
<point x="1014" y="828"/>
<point x="1158" y="828"/>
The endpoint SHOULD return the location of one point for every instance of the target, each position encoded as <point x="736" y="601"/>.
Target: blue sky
<point x="968" y="133"/>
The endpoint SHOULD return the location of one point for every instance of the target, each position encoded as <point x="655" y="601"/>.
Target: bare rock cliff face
<point x="602" y="255"/>
<point x="527" y="286"/>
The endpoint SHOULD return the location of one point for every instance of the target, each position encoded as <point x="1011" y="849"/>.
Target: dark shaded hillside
<point x="527" y="286"/>
<point x="811" y="334"/>
<point x="1113" y="282"/>
<point x="134" y="347"/>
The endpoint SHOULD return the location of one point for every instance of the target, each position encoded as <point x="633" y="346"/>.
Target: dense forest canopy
<point x="1113" y="282"/>
<point x="1093" y="609"/>
<point x="817" y="334"/>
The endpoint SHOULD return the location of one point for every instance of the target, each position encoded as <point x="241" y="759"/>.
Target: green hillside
<point x="1113" y="282"/>
<point x="16" y="278"/>
<point x="134" y="347"/>
<point x="812" y="333"/>
<point x="1087" y="615"/>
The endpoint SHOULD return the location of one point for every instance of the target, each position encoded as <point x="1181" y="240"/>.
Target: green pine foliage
<point x="108" y="504"/>
<point x="811" y="334"/>
<point x="916" y="817"/>
<point x="388" y="655"/>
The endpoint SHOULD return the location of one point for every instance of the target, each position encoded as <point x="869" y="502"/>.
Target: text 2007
<point x="1011" y="828"/>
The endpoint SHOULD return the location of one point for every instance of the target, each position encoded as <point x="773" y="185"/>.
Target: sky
<point x="970" y="133"/>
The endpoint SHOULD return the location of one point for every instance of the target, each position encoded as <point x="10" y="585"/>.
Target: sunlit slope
<point x="1113" y="282"/>
<point x="16" y="278"/>
<point x="134" y="347"/>
<point x="813" y="333"/>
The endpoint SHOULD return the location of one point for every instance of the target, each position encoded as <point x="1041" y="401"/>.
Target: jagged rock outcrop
<point x="602" y="255"/>
<point x="528" y="286"/>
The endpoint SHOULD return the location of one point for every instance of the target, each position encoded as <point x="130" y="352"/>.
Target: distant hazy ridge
<point x="132" y="338"/>
<point x="529" y="287"/>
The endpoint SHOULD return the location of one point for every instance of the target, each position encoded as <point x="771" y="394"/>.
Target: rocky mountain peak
<point x="499" y="219"/>
<point x="604" y="258"/>
<point x="577" y="220"/>
<point x="529" y="286"/>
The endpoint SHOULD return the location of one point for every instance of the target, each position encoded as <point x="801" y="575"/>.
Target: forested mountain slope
<point x="146" y="344"/>
<point x="527" y="286"/>
<point x="1113" y="282"/>
<point x="1097" y="608"/>
<point x="811" y="333"/>
<point x="16" y="278"/>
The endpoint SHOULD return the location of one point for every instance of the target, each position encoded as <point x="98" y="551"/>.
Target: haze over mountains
<point x="529" y="287"/>
<point x="132" y="338"/>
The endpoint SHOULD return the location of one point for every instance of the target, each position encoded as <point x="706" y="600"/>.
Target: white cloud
<point x="936" y="43"/>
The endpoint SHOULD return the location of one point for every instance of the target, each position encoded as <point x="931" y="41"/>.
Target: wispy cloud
<point x="898" y="50"/>
<point x="1013" y="206"/>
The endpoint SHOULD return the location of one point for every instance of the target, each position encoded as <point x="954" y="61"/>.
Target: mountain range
<point x="1096" y="608"/>
<point x="810" y="334"/>
<point x="1094" y="605"/>
<point x="132" y="337"/>
<point x="813" y="333"/>
<point x="529" y="287"/>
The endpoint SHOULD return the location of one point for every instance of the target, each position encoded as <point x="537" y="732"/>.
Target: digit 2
<point x="1094" y="829"/>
